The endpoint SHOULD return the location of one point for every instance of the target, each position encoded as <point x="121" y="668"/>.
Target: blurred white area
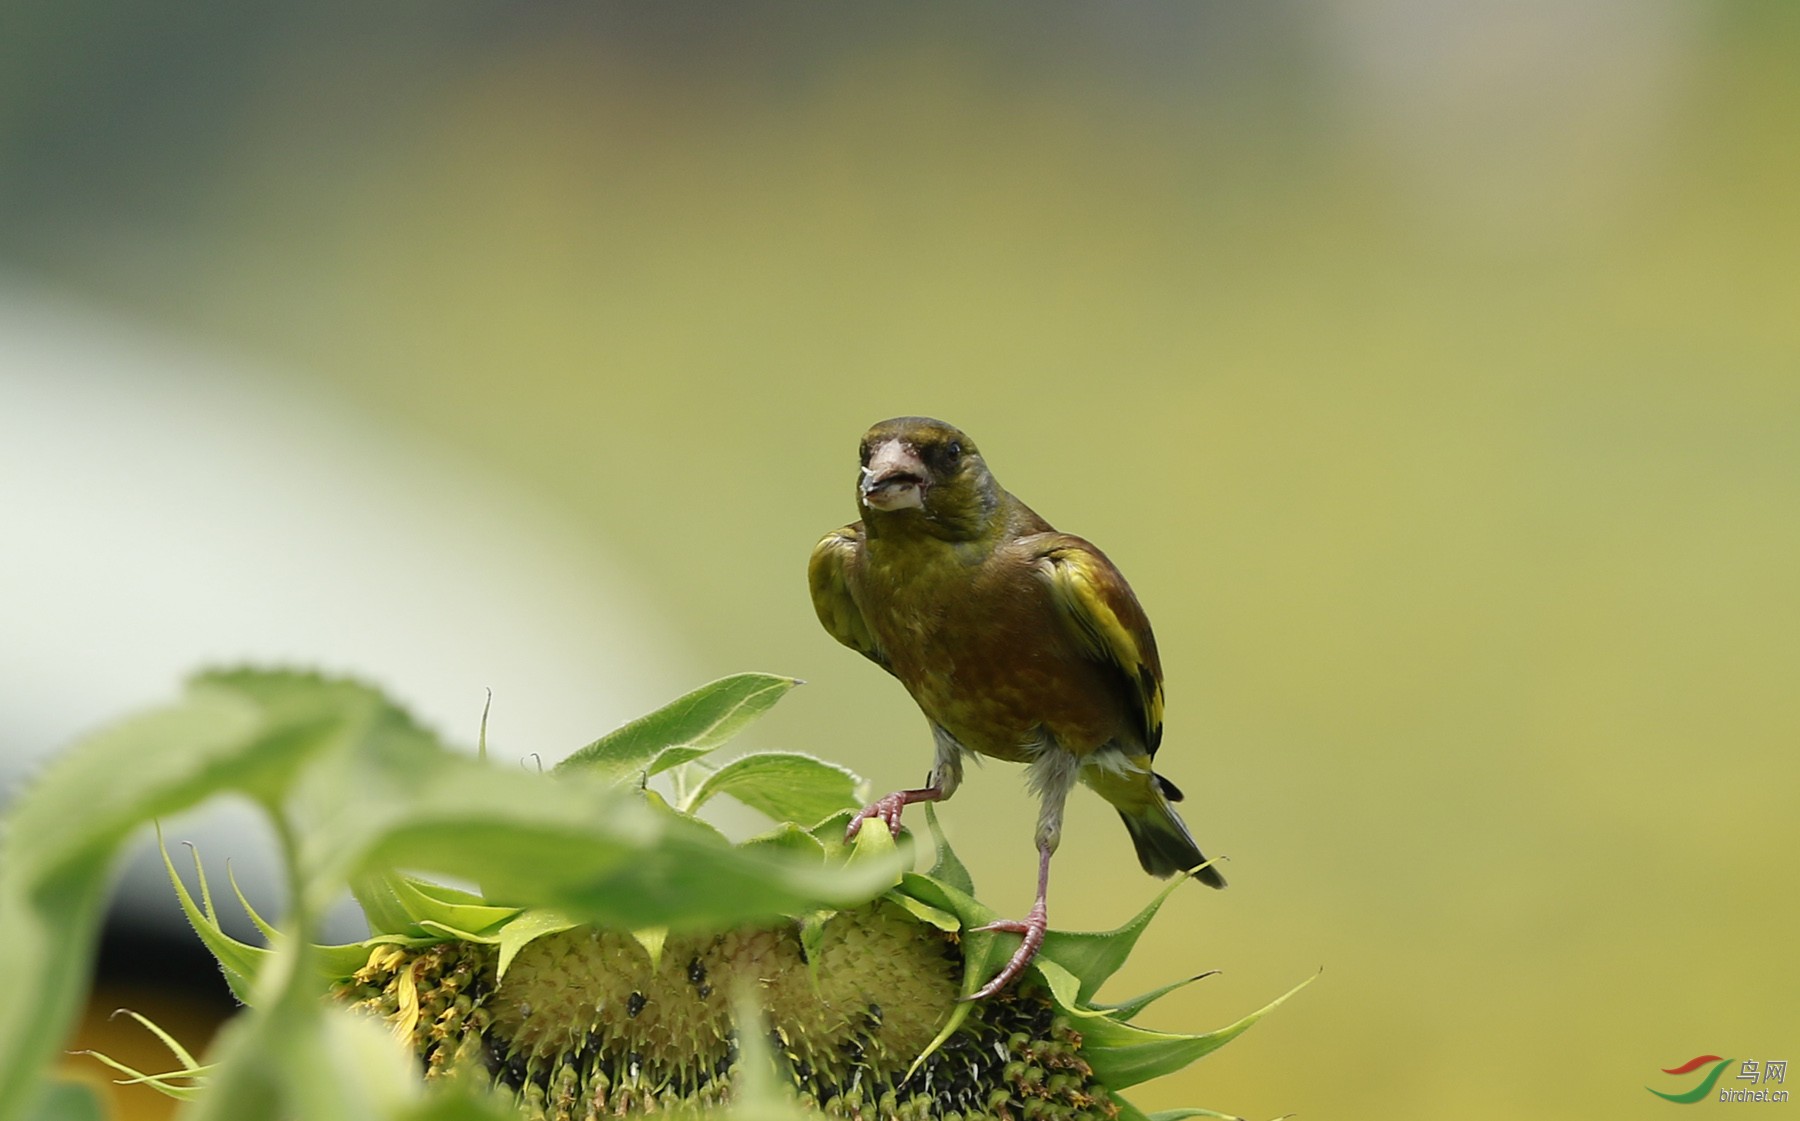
<point x="166" y="509"/>
<point x="1513" y="125"/>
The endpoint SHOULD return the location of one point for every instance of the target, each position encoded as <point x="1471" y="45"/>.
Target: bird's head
<point x="924" y="475"/>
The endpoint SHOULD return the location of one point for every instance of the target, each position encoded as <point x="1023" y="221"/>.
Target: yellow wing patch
<point x="828" y="574"/>
<point x="1105" y="616"/>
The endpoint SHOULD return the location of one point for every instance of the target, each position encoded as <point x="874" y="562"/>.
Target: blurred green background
<point x="1432" y="371"/>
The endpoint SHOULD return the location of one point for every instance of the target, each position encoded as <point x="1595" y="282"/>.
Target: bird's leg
<point x="888" y="808"/>
<point x="1033" y="926"/>
<point x="946" y="776"/>
<point x="1053" y="773"/>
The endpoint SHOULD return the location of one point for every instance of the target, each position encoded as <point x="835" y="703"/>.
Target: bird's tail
<point x="1164" y="845"/>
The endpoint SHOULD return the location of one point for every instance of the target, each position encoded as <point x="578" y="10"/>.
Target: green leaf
<point x="682" y="730"/>
<point x="240" y="962"/>
<point x="65" y="1099"/>
<point x="521" y="931"/>
<point x="672" y="757"/>
<point x="830" y="832"/>
<point x="812" y="942"/>
<point x="1123" y="1055"/>
<point x="684" y="821"/>
<point x="397" y="799"/>
<point x="270" y="1060"/>
<point x="1062" y="984"/>
<point x="948" y="867"/>
<point x="789" y="838"/>
<point x="451" y="907"/>
<point x="182" y="1085"/>
<point x="608" y="861"/>
<point x="78" y="808"/>
<point x="182" y="1054"/>
<point x="357" y="789"/>
<point x="875" y="851"/>
<point x="381" y="908"/>
<point x="1128" y="1009"/>
<point x="267" y="930"/>
<point x="785" y="785"/>
<point x="63" y="834"/>
<point x="337" y="963"/>
<point x="1096" y="956"/>
<point x="925" y="912"/>
<point x="759" y="1092"/>
<point x="958" y="1014"/>
<point x="984" y="952"/>
<point x="652" y="939"/>
<point x="946" y="897"/>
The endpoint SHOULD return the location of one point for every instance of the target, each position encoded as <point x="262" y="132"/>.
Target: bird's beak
<point x="895" y="478"/>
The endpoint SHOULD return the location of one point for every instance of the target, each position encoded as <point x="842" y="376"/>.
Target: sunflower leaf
<point x="423" y="900"/>
<point x="1094" y="956"/>
<point x="789" y="838"/>
<point x="240" y="962"/>
<point x="786" y="785"/>
<point x="1128" y="1009"/>
<point x="66" y="1099"/>
<point x="1123" y="1055"/>
<point x="521" y="931"/>
<point x="267" y="929"/>
<point x="683" y="730"/>
<point x="948" y="868"/>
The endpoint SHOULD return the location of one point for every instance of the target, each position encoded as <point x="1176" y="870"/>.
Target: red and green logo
<point x="1706" y="1084"/>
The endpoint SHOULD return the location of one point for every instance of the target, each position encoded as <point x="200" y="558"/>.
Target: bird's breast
<point x="984" y="653"/>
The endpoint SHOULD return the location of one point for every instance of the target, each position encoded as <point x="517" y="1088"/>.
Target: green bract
<point x="619" y="956"/>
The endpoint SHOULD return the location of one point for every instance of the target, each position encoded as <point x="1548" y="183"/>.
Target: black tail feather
<point x="1164" y="846"/>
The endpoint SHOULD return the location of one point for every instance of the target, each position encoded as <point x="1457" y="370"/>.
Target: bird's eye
<point x="955" y="450"/>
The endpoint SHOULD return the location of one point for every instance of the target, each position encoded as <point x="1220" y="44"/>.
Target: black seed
<point x="704" y="991"/>
<point x="696" y="972"/>
<point x="634" y="1004"/>
<point x="491" y="1055"/>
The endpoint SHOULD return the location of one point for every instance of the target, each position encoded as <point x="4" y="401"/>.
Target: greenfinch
<point x="1018" y="643"/>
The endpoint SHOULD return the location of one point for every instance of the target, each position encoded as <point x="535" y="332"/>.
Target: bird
<point x="1017" y="642"/>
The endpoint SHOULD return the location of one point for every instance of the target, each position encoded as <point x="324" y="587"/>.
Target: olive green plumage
<point x="1017" y="642"/>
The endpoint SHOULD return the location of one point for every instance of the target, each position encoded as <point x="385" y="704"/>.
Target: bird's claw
<point x="886" y="808"/>
<point x="1034" y="926"/>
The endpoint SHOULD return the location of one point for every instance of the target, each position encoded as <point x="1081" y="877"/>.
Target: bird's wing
<point x="1105" y="618"/>
<point x="829" y="573"/>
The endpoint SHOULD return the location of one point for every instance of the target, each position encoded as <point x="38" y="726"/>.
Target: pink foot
<point x="1033" y="927"/>
<point x="887" y="809"/>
